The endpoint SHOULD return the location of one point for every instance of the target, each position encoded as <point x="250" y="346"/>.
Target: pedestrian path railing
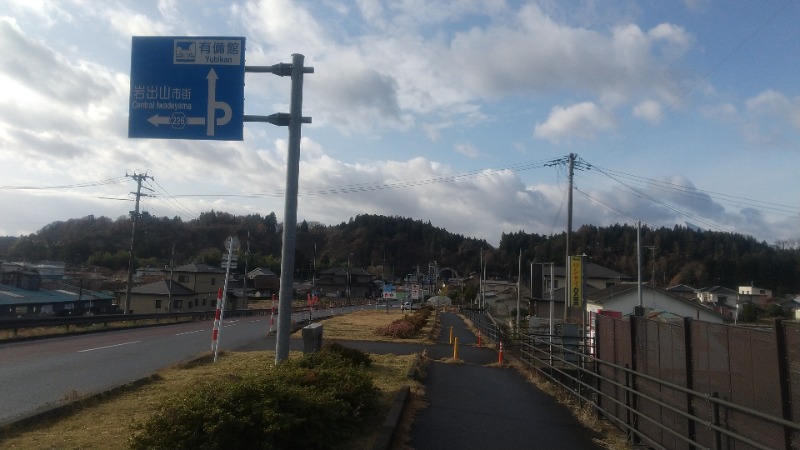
<point x="648" y="407"/>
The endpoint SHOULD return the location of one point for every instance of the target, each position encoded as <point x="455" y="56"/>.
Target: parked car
<point x="406" y="305"/>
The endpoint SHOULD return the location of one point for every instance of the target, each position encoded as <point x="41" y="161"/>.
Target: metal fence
<point x="687" y="385"/>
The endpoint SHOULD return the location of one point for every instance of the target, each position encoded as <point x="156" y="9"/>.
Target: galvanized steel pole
<point x="290" y="212"/>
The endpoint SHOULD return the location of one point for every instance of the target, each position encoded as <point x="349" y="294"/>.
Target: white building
<point x="624" y="298"/>
<point x="754" y="294"/>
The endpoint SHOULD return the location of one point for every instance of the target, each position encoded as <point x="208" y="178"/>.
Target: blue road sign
<point x="187" y="88"/>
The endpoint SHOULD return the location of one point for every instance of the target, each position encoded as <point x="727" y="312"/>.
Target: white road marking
<point x="190" y="332"/>
<point x="108" y="346"/>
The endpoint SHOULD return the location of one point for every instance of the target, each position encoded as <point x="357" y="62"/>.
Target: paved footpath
<point x="472" y="406"/>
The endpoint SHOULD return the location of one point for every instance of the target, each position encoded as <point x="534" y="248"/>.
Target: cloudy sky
<point x="461" y="113"/>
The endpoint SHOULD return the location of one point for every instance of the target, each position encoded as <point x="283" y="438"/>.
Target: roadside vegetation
<point x="336" y="398"/>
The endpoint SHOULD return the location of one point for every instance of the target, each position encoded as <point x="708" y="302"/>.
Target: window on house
<point x="213" y="281"/>
<point x="196" y="301"/>
<point x="204" y="301"/>
<point x="189" y="304"/>
<point x="178" y="304"/>
<point x="183" y="278"/>
<point x="158" y="304"/>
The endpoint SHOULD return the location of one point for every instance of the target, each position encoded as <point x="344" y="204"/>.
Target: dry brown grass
<point x="107" y="423"/>
<point x="361" y="326"/>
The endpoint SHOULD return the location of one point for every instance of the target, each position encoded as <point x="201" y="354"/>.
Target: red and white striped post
<point x="500" y="354"/>
<point x="271" y="320"/>
<point x="215" y="332"/>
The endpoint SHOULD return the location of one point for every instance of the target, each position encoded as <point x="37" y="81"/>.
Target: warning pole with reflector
<point x="215" y="332"/>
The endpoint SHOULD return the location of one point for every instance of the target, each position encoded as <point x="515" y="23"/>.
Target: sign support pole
<point x="290" y="212"/>
<point x="293" y="120"/>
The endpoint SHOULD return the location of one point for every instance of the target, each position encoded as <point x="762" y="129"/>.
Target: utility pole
<point x="652" y="248"/>
<point x="135" y="218"/>
<point x="639" y="261"/>
<point x="244" y="278"/>
<point x="171" y="279"/>
<point x="569" y="231"/>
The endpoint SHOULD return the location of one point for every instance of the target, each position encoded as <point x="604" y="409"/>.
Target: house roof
<point x="260" y="271"/>
<point x="609" y="293"/>
<point x="560" y="293"/>
<point x="593" y="271"/>
<point x="198" y="268"/>
<point x="344" y="270"/>
<point x="720" y="290"/>
<point x="682" y="288"/>
<point x="58" y="293"/>
<point x="162" y="288"/>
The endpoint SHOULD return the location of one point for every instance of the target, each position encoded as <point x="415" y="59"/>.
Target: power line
<point x="398" y="184"/>
<point x="693" y="192"/>
<point x="117" y="180"/>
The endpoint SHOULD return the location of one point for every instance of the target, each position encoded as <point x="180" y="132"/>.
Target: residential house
<point x="624" y="298"/>
<point x="196" y="285"/>
<point x="597" y="277"/>
<point x="264" y="281"/>
<point x="165" y="296"/>
<point x="719" y="296"/>
<point x="541" y="307"/>
<point x="754" y="294"/>
<point x="345" y="283"/>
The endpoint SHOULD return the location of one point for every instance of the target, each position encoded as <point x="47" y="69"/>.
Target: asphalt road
<point x="39" y="374"/>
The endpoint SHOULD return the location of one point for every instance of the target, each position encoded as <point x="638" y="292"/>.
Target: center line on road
<point x="108" y="346"/>
<point x="189" y="332"/>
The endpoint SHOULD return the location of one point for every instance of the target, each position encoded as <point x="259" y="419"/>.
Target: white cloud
<point x="467" y="149"/>
<point x="581" y="121"/>
<point x="768" y="113"/>
<point x="649" y="110"/>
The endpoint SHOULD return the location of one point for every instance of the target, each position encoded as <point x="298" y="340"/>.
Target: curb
<point x="387" y="432"/>
<point x="71" y="406"/>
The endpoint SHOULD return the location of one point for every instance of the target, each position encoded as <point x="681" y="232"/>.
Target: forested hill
<point x="673" y="256"/>
<point x="384" y="244"/>
<point x="397" y="245"/>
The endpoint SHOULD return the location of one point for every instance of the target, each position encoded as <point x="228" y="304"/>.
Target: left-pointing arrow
<point x="179" y="121"/>
<point x="159" y="120"/>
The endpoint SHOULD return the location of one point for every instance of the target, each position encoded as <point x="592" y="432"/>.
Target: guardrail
<point x="108" y="320"/>
<point x="625" y="397"/>
<point x="15" y="325"/>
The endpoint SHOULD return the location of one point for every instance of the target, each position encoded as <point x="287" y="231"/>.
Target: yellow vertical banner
<point x="576" y="281"/>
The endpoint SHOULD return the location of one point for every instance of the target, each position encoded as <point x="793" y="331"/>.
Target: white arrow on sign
<point x="214" y="105"/>
<point x="167" y="120"/>
<point x="178" y="120"/>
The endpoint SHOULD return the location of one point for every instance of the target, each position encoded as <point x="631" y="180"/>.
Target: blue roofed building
<point x="24" y="294"/>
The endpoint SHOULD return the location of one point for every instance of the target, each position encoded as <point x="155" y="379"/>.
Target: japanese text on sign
<point x="576" y="281"/>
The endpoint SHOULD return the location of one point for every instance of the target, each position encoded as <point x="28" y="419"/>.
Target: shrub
<point x="355" y="356"/>
<point x="406" y="327"/>
<point x="400" y="328"/>
<point x="308" y="402"/>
